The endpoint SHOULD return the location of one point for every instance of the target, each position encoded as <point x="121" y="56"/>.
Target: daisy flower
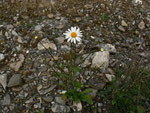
<point x="74" y="35"/>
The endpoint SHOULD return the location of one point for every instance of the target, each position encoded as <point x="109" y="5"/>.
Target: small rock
<point x="108" y="47"/>
<point x="48" y="99"/>
<point x="50" y="15"/>
<point x="15" y="80"/>
<point x="20" y="40"/>
<point x="100" y="104"/>
<point x="16" y="65"/>
<point x="59" y="100"/>
<point x="2" y="57"/>
<point x="60" y="26"/>
<point x="38" y="28"/>
<point x="141" y="25"/>
<point x="46" y="44"/>
<point x="59" y="40"/>
<point x="14" y="33"/>
<point x="37" y="105"/>
<point x="123" y="23"/>
<point x="3" y="80"/>
<point x="100" y="59"/>
<point x="87" y="60"/>
<point x="65" y="47"/>
<point x="110" y="77"/>
<point x="15" y="18"/>
<point x="56" y="108"/>
<point x="29" y="101"/>
<point x="77" y="106"/>
<point x="121" y="28"/>
<point x="6" y="100"/>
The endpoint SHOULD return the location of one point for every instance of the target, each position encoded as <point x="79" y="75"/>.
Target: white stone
<point x="141" y="25"/>
<point x="110" y="77"/>
<point x="38" y="27"/>
<point x="2" y="57"/>
<point x="77" y="106"/>
<point x="100" y="59"/>
<point x="45" y="44"/>
<point x="123" y="23"/>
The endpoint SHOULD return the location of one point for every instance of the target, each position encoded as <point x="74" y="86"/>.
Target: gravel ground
<point x="27" y="84"/>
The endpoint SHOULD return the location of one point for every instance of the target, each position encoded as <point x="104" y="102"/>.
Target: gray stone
<point x="87" y="58"/>
<point x="15" y="80"/>
<point x="48" y="99"/>
<point x="6" y="100"/>
<point x="100" y="85"/>
<point x="45" y="44"/>
<point x="29" y="101"/>
<point x="65" y="48"/>
<point x="51" y="15"/>
<point x="2" y="57"/>
<point x="141" y="25"/>
<point x="14" y="33"/>
<point x="59" y="100"/>
<point x="3" y="80"/>
<point x="56" y="108"/>
<point x="108" y="47"/>
<point x="38" y="28"/>
<point x="9" y="27"/>
<point x="59" y="40"/>
<point x="100" y="60"/>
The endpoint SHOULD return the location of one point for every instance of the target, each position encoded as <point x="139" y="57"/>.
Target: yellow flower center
<point x="73" y="34"/>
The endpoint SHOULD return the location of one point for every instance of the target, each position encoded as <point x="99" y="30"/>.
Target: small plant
<point x="105" y="17"/>
<point x="129" y="91"/>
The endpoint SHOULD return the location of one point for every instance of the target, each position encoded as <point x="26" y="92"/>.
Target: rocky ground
<point x="27" y="84"/>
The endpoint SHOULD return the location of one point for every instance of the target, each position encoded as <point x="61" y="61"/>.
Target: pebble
<point x="110" y="77"/>
<point x="93" y="93"/>
<point x="123" y="23"/>
<point x="51" y="15"/>
<point x="38" y="28"/>
<point x="59" y="40"/>
<point x="3" y="80"/>
<point x="2" y="57"/>
<point x="56" y="108"/>
<point x="141" y="25"/>
<point x="14" y="33"/>
<point x="48" y="99"/>
<point x="59" y="100"/>
<point x="121" y="28"/>
<point x="15" y="80"/>
<point x="46" y="44"/>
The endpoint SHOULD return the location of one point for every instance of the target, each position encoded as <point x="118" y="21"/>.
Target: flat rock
<point x="48" y="99"/>
<point x="16" y="65"/>
<point x="15" y="80"/>
<point x="51" y="15"/>
<point x="6" y="100"/>
<point x="93" y="93"/>
<point x="107" y="47"/>
<point x="2" y="57"/>
<point x="59" y="100"/>
<point x="38" y="28"/>
<point x="100" y="59"/>
<point x="59" y="40"/>
<point x="45" y="44"/>
<point x="3" y="80"/>
<point x="56" y="108"/>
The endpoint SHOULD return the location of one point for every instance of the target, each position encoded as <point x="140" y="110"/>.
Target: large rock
<point x="3" y="80"/>
<point x="108" y="47"/>
<point x="56" y="108"/>
<point x="100" y="60"/>
<point x="45" y="44"/>
<point x="59" y="100"/>
<point x="15" y="80"/>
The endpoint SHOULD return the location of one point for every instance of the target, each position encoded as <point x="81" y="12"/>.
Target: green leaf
<point x="87" y="90"/>
<point x="87" y="98"/>
<point x="63" y="75"/>
<point x="77" y="84"/>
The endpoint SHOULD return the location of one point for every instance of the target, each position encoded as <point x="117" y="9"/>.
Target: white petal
<point x="74" y="40"/>
<point x="69" y="39"/>
<point x="72" y="29"/>
<point x="78" y="39"/>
